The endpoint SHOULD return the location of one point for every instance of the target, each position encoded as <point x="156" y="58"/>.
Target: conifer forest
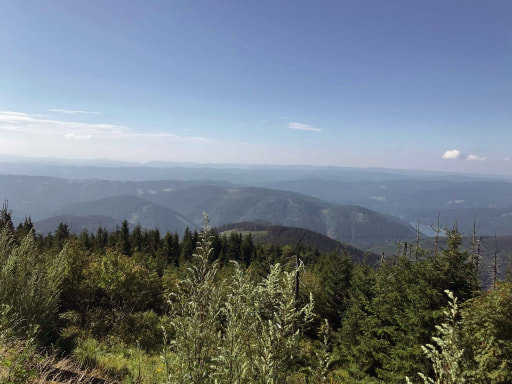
<point x="138" y="306"/>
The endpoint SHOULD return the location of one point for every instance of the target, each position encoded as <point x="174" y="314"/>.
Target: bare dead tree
<point x="475" y="245"/>
<point x="495" y="264"/>
<point x="437" y="230"/>
<point x="417" y="240"/>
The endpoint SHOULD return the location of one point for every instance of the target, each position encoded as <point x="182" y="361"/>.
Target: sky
<point x="392" y="84"/>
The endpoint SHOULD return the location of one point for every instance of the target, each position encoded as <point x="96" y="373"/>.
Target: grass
<point x="127" y="364"/>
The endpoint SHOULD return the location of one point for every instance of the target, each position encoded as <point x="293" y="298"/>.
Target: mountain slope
<point x="39" y="196"/>
<point x="43" y="197"/>
<point x="422" y="201"/>
<point x="281" y="235"/>
<point x="76" y="224"/>
<point x="133" y="209"/>
<point x="231" y="205"/>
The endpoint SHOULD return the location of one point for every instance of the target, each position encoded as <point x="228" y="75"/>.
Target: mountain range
<point x="361" y="206"/>
<point x="175" y="205"/>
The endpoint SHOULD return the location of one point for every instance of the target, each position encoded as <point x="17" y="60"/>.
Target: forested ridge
<point x="139" y="306"/>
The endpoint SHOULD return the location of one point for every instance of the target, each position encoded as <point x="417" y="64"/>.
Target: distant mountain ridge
<point x="349" y="224"/>
<point x="236" y="173"/>
<point x="421" y="200"/>
<point x="76" y="224"/>
<point x="41" y="196"/>
<point x="133" y="209"/>
<point x="417" y="197"/>
<point x="174" y="205"/>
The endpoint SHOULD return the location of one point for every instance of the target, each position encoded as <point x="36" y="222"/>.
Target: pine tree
<point x="187" y="247"/>
<point x="247" y="249"/>
<point x="486" y="334"/>
<point x="334" y="272"/>
<point x="123" y="240"/>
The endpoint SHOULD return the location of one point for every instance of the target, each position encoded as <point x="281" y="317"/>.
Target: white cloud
<point x="456" y="154"/>
<point x="74" y="136"/>
<point x="476" y="158"/>
<point x="32" y="135"/>
<point x="303" y="127"/>
<point x="71" y="112"/>
<point x="453" y="154"/>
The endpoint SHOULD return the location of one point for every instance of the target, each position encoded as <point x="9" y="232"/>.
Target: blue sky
<point x="400" y="84"/>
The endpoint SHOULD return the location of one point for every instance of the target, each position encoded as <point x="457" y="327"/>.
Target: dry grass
<point x="66" y="371"/>
<point x="19" y="363"/>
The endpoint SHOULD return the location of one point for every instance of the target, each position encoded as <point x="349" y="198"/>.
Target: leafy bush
<point x="145" y="329"/>
<point x="16" y="355"/>
<point x="29" y="281"/>
<point x="247" y="333"/>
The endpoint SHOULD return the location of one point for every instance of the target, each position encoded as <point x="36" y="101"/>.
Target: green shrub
<point x="29" y="281"/>
<point x="17" y="356"/>
<point x="237" y="331"/>
<point x="145" y="329"/>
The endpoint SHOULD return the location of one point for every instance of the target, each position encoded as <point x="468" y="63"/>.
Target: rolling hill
<point x="421" y="200"/>
<point x="173" y="205"/>
<point x="280" y="235"/>
<point x="133" y="209"/>
<point x="41" y="197"/>
<point x="351" y="224"/>
<point x="76" y="224"/>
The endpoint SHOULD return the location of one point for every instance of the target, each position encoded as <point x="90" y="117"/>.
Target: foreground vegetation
<point x="139" y="307"/>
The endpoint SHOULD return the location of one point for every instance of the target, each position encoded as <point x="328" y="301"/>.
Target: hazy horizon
<point x="394" y="85"/>
<point x="31" y="162"/>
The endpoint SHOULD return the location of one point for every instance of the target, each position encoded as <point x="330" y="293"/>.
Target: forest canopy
<point x="139" y="306"/>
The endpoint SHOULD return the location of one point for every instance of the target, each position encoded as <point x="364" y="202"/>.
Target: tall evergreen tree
<point x="101" y="238"/>
<point x="136" y="239"/>
<point x="123" y="240"/>
<point x="234" y="246"/>
<point x="334" y="272"/>
<point x="247" y="249"/>
<point x="24" y="228"/>
<point x="6" y="217"/>
<point x="187" y="247"/>
<point x="171" y="248"/>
